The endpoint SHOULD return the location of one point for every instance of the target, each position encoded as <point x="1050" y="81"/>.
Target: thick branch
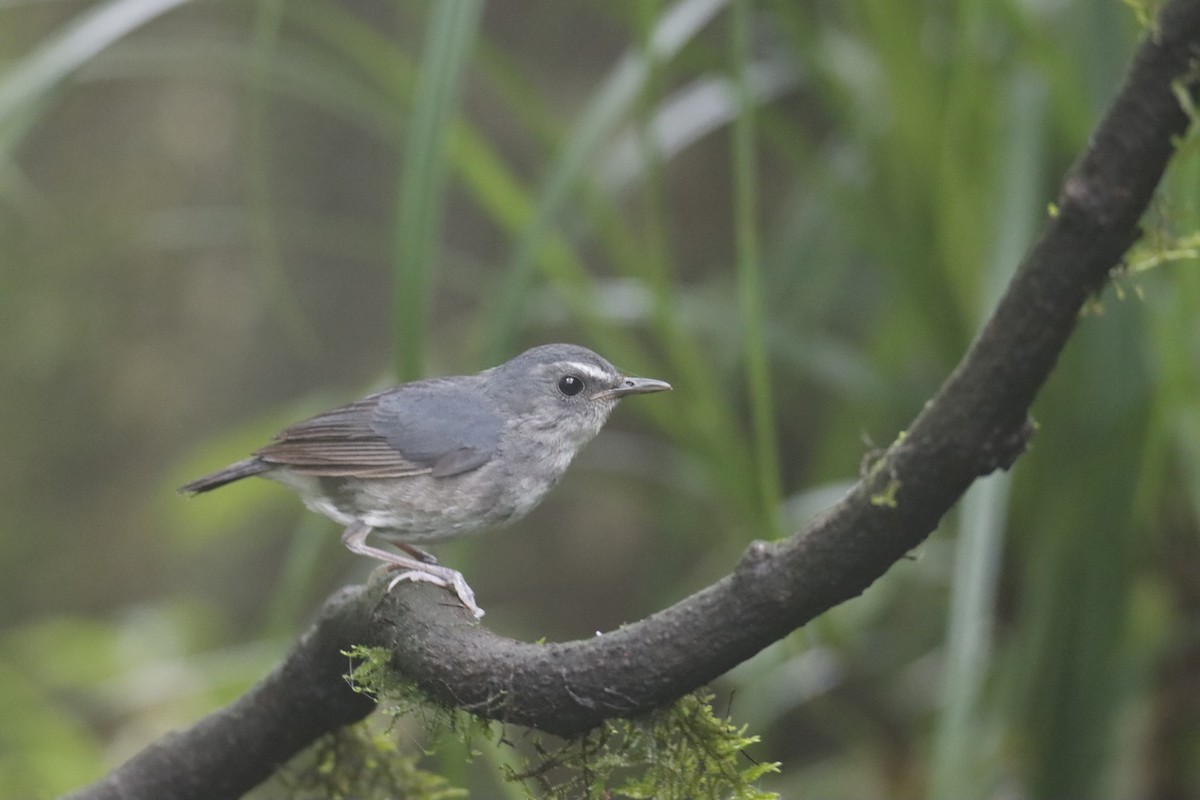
<point x="976" y="423"/>
<point x="236" y="748"/>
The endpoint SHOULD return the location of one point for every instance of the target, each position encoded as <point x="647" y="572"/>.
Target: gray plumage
<point x="443" y="457"/>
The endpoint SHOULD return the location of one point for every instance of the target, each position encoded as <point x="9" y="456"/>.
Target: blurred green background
<point x="217" y="217"/>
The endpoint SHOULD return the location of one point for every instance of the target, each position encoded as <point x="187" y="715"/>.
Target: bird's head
<point x="564" y="389"/>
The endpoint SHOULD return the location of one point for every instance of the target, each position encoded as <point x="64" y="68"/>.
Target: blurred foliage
<point x="214" y="216"/>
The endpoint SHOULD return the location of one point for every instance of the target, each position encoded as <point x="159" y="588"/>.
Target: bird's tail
<point x="234" y="472"/>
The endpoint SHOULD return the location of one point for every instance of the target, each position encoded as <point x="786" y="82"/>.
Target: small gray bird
<point x="440" y="458"/>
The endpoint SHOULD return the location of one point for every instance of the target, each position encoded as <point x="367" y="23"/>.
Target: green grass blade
<point x="449" y="41"/>
<point x="263" y="231"/>
<point x="959" y="754"/>
<point x="611" y="104"/>
<point x="959" y="760"/>
<point x="81" y="40"/>
<point x="748" y="269"/>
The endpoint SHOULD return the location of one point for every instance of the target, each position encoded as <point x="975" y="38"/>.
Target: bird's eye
<point x="570" y="385"/>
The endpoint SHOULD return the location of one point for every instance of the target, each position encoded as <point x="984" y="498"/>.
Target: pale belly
<point x="420" y="508"/>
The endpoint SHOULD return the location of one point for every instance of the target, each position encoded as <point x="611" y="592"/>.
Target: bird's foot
<point x="441" y="576"/>
<point x="416" y="568"/>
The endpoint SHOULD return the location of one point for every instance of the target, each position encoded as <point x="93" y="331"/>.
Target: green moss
<point x="359" y="763"/>
<point x="1160" y="248"/>
<point x="682" y="752"/>
<point x="371" y="674"/>
<point x="887" y="497"/>
<point x="1146" y="12"/>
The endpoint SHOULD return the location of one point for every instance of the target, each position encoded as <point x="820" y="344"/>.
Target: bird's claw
<point x="444" y="577"/>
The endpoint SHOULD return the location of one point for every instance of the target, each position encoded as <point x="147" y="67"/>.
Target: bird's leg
<point x="411" y="549"/>
<point x="415" y="552"/>
<point x="415" y="569"/>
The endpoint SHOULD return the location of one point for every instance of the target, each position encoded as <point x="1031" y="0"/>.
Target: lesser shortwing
<point x="439" y="458"/>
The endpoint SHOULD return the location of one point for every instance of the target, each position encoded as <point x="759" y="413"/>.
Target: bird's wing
<point x="450" y="429"/>
<point x="416" y="429"/>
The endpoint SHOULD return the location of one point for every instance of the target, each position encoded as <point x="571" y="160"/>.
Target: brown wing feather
<point x="340" y="443"/>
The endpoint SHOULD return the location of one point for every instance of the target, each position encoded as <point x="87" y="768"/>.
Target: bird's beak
<point x="635" y="386"/>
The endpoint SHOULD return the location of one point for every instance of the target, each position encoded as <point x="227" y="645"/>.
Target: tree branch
<point x="234" y="749"/>
<point x="976" y="423"/>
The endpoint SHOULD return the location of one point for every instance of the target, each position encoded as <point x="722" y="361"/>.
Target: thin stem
<point x="748" y="268"/>
<point x="449" y="41"/>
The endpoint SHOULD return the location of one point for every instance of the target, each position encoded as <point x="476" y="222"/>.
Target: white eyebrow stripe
<point x="588" y="370"/>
